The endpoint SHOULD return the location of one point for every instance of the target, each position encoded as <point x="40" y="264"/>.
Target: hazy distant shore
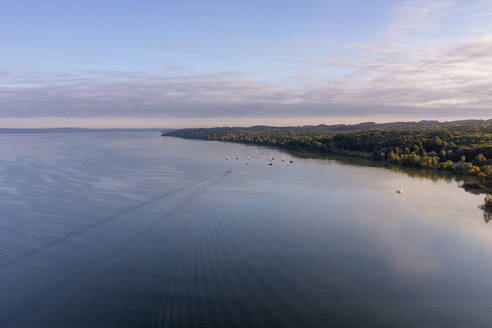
<point x="72" y="130"/>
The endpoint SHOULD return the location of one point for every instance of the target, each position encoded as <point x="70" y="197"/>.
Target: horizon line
<point x="376" y="122"/>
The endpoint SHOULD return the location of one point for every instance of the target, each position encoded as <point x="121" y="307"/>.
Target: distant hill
<point x="322" y="128"/>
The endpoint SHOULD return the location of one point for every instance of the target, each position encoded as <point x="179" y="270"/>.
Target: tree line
<point x="460" y="147"/>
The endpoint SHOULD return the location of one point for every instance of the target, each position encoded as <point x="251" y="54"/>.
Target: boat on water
<point x="400" y="191"/>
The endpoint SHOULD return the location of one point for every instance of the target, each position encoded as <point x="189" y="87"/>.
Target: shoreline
<point x="364" y="159"/>
<point x="475" y="183"/>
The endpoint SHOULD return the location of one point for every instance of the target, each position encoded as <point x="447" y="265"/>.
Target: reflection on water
<point x="136" y="230"/>
<point x="433" y="175"/>
<point x="487" y="216"/>
<point x="416" y="173"/>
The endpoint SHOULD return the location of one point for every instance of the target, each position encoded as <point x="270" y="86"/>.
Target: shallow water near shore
<point x="137" y="230"/>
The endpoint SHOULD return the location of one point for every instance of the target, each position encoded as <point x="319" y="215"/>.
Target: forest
<point x="460" y="147"/>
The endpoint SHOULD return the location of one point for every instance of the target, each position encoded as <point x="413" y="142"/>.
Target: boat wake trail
<point x="26" y="242"/>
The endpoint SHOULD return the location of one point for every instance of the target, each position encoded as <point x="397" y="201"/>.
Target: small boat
<point x="400" y="191"/>
<point x="270" y="164"/>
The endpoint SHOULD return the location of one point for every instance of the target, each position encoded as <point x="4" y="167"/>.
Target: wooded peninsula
<point x="462" y="148"/>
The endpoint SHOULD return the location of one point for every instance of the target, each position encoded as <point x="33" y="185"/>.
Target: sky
<point x="217" y="62"/>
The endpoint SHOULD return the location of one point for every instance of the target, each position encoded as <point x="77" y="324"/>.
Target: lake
<point x="131" y="229"/>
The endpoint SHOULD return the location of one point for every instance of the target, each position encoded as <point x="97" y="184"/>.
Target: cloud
<point x="382" y="79"/>
<point x="400" y="74"/>
<point x="416" y="15"/>
<point x="127" y="93"/>
<point x="455" y="77"/>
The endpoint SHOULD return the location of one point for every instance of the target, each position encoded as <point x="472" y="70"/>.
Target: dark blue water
<point x="137" y="230"/>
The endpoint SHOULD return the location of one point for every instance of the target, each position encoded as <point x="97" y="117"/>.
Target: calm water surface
<point x="137" y="230"/>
